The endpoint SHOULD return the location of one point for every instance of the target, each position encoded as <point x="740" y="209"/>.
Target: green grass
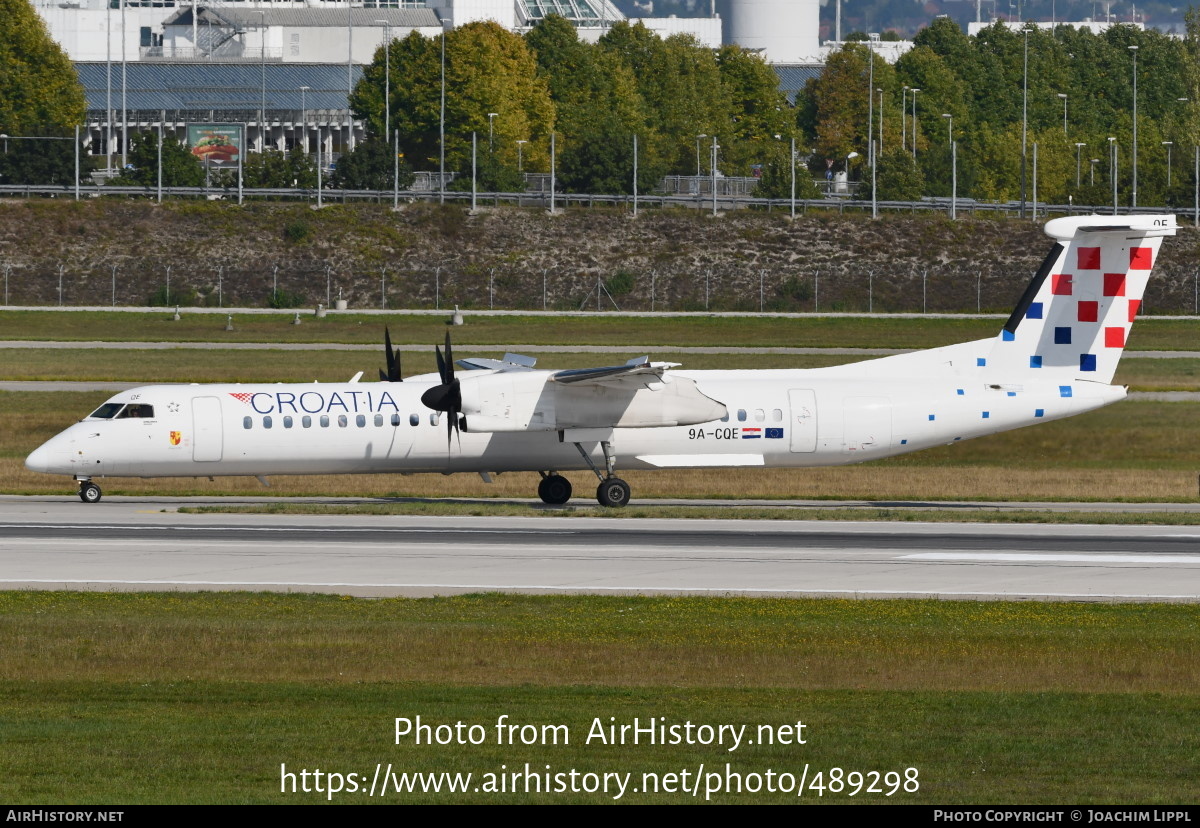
<point x="128" y="698"/>
<point x="187" y="365"/>
<point x="876" y="332"/>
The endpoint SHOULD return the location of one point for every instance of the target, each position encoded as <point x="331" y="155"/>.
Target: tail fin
<point x="1074" y="318"/>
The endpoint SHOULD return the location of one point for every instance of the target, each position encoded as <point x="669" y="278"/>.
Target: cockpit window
<point x="107" y="411"/>
<point x="137" y="411"/>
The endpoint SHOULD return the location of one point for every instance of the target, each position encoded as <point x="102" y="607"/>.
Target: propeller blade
<point x="441" y="363"/>
<point x="446" y="397"/>
<point x="392" y="374"/>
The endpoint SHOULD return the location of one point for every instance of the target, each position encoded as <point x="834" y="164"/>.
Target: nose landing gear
<point x="89" y="492"/>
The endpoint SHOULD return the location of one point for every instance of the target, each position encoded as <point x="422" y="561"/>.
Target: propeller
<point x="446" y="397"/>
<point x="392" y="374"/>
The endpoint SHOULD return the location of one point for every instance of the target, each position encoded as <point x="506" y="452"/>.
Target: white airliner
<point x="1054" y="357"/>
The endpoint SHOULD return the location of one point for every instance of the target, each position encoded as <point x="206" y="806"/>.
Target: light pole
<point x="915" y="90"/>
<point x="262" y="112"/>
<point x="491" y="120"/>
<point x="1078" y="146"/>
<point x="521" y="142"/>
<point x="871" y="113"/>
<point x="387" y="77"/>
<point x="714" y="174"/>
<point x="953" y="165"/>
<point x="1133" y="50"/>
<point x="304" y="116"/>
<point x="1024" y="119"/>
<point x="880" y="91"/>
<point x="446" y="22"/>
<point x="699" y="138"/>
<point x="1112" y="169"/>
<point x="1064" y="100"/>
<point x="1168" y="144"/>
<point x="1092" y="162"/>
<point x="903" y="122"/>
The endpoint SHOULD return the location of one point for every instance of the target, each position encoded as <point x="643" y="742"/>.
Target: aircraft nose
<point x="45" y="457"/>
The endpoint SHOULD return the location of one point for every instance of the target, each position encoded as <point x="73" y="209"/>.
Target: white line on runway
<point x="240" y="529"/>
<point x="1022" y="557"/>
<point x="593" y="588"/>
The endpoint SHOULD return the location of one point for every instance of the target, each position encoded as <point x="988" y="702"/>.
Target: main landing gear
<point x="89" y="492"/>
<point x="612" y="491"/>
<point x="554" y="489"/>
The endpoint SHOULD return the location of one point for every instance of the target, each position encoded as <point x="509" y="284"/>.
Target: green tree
<point x="273" y="168"/>
<point x="599" y="110"/>
<point x="897" y="179"/>
<point x="681" y="85"/>
<point x="776" y="180"/>
<point x="372" y="166"/>
<point x="488" y="70"/>
<point x="39" y="90"/>
<point x="761" y="116"/>
<point x="179" y="167"/>
<point x="48" y="160"/>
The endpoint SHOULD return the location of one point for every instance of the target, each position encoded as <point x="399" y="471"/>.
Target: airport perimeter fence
<point x="700" y="201"/>
<point x="742" y="287"/>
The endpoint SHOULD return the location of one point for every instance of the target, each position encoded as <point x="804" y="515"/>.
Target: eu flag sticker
<point x="774" y="434"/>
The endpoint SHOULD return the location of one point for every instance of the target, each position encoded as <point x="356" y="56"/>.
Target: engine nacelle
<point x="532" y="401"/>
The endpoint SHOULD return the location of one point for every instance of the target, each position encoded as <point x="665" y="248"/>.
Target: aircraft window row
<point x="760" y="415"/>
<point x="343" y="420"/>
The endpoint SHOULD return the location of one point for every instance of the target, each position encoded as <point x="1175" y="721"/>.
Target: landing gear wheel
<point x="554" y="489"/>
<point x="613" y="492"/>
<point x="89" y="492"/>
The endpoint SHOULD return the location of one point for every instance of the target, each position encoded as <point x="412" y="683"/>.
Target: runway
<point x="143" y="544"/>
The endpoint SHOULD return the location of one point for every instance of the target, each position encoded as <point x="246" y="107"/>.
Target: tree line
<point x="1068" y="91"/>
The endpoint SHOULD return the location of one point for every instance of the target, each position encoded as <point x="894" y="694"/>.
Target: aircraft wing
<point x="638" y="367"/>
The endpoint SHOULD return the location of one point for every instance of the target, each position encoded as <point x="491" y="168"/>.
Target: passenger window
<point x="741" y="415"/>
<point x="759" y="415"/>
<point x="777" y="415"/>
<point x="361" y="421"/>
<point x="324" y="421"/>
<point x="396" y="418"/>
<point x="725" y="419"/>
<point x="433" y="418"/>
<point x="306" y="421"/>
<point x="378" y="420"/>
<point x="247" y="422"/>
<point x="266" y="422"/>
<point x="287" y="422"/>
<point x="414" y="419"/>
<point x="342" y="421"/>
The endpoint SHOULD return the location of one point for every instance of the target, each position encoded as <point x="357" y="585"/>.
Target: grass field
<point x="200" y="698"/>
<point x="182" y="365"/>
<point x="879" y="331"/>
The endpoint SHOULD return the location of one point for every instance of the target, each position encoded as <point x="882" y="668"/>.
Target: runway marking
<point x="322" y="528"/>
<point x="636" y="589"/>
<point x="1048" y="557"/>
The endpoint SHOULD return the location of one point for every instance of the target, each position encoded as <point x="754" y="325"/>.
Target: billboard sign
<point x="216" y="144"/>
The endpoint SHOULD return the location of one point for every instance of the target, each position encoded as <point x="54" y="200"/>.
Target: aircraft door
<point x="803" y="427"/>
<point x="208" y="439"/>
